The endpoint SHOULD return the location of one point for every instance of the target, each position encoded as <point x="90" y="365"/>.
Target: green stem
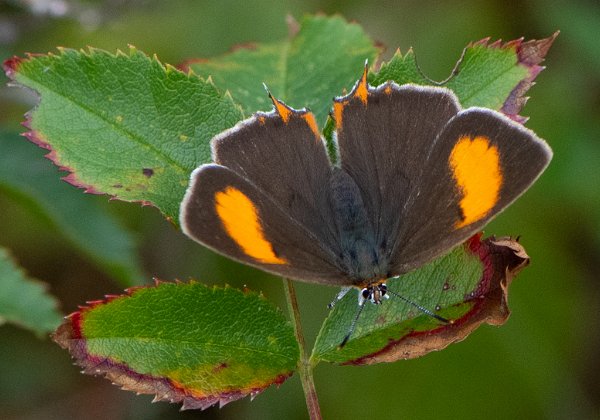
<point x="304" y="367"/>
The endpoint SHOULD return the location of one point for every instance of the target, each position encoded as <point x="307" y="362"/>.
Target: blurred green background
<point x="542" y="364"/>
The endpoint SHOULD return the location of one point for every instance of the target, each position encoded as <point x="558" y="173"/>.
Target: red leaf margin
<point x="11" y="67"/>
<point x="69" y="336"/>
<point x="503" y="259"/>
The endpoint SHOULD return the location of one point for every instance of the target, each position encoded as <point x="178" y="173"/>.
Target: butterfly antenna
<point x="339" y="297"/>
<point x="421" y="308"/>
<point x="352" y="325"/>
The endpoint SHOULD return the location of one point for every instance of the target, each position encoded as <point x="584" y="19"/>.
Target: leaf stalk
<point x="304" y="365"/>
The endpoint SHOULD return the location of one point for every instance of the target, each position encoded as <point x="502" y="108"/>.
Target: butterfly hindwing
<point x="230" y="215"/>
<point x="480" y="163"/>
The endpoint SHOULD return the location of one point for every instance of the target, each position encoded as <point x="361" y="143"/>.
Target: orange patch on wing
<point x="282" y="109"/>
<point x="338" y="110"/>
<point x="361" y="92"/>
<point x="309" y="118"/>
<point x="475" y="164"/>
<point x="241" y="222"/>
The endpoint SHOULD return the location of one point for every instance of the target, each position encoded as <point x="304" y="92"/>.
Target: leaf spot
<point x="220" y="367"/>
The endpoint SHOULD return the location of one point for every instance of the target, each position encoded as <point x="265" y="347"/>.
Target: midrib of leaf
<point x="133" y="137"/>
<point x="202" y="344"/>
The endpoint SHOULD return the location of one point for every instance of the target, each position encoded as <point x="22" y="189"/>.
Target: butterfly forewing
<point x="384" y="137"/>
<point x="283" y="155"/>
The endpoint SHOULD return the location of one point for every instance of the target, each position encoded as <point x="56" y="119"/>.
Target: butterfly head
<point x="374" y="293"/>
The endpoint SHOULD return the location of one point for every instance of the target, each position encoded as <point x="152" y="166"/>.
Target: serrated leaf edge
<point x="11" y="66"/>
<point x="295" y="29"/>
<point x="516" y="99"/>
<point x="69" y="336"/>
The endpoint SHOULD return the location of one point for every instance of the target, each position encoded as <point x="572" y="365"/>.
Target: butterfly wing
<point x="283" y="154"/>
<point x="423" y="167"/>
<point x="479" y="164"/>
<point x="266" y="201"/>
<point x="384" y="136"/>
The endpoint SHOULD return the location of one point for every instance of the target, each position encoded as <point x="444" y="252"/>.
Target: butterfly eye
<point x="382" y="289"/>
<point x="365" y="293"/>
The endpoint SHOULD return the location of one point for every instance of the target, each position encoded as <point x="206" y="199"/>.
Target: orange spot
<point x="261" y="120"/>
<point x="338" y="109"/>
<point x="388" y="90"/>
<point x="284" y="112"/>
<point x="361" y="92"/>
<point x="312" y="123"/>
<point x="240" y="219"/>
<point x="475" y="164"/>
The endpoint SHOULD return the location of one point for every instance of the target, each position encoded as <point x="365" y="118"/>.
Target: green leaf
<point x="24" y="301"/>
<point x="467" y="286"/>
<point x="401" y="69"/>
<point x="326" y="56"/>
<point x="495" y="75"/>
<point x="123" y="124"/>
<point x="487" y="75"/>
<point x="36" y="184"/>
<point x="184" y="342"/>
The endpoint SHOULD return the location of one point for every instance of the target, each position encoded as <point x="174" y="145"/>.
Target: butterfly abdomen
<point x="359" y="254"/>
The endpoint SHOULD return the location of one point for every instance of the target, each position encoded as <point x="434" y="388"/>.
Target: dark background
<point x="542" y="364"/>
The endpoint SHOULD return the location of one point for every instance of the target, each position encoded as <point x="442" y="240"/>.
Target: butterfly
<point x="416" y="175"/>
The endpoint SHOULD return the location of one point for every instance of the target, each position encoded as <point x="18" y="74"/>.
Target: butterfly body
<point x="361" y="257"/>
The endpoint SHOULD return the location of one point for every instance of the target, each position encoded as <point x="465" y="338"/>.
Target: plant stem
<point x="304" y="367"/>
